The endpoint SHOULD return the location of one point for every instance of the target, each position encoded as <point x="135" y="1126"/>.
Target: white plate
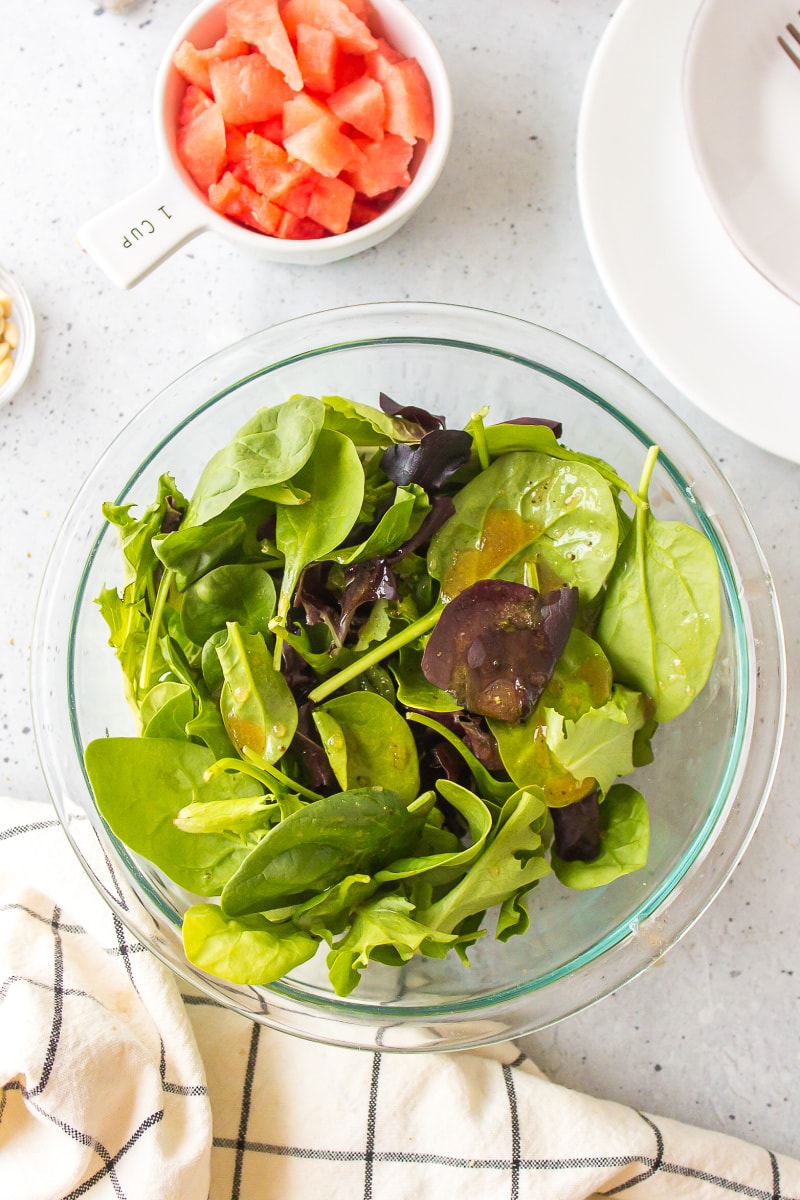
<point x="742" y="101"/>
<point x="711" y="323"/>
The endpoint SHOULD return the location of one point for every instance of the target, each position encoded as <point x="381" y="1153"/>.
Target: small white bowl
<point x="22" y="316"/>
<point x="134" y="236"/>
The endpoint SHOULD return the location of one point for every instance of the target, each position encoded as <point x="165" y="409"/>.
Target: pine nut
<point x="5" y="304"/>
<point x="5" y="350"/>
<point x="11" y="334"/>
<point x="6" y="367"/>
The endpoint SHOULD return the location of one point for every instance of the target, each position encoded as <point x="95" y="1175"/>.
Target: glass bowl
<point x="713" y="766"/>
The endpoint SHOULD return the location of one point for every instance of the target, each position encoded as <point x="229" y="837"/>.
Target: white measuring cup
<point x="130" y="239"/>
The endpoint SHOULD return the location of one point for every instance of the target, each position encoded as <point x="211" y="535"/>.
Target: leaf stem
<point x="647" y="472"/>
<point x="284" y="780"/>
<point x="236" y="764"/>
<point x="479" y="437"/>
<point x="155" y="625"/>
<point x="376" y="655"/>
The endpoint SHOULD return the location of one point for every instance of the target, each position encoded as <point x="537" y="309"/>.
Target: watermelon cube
<point x="330" y="204"/>
<point x="248" y="89"/>
<point x="297" y="228"/>
<point x="383" y="166"/>
<point x="362" y="105"/>
<point x="361" y="9"/>
<point x="194" y="101"/>
<point x="193" y="63"/>
<point x="201" y="146"/>
<point x="301" y="111"/>
<point x="235" y="199"/>
<point x="323" y="146"/>
<point x="259" y="23"/>
<point x="318" y="55"/>
<point x="235" y="145"/>
<point x="334" y="15"/>
<point x="270" y="171"/>
<point x="379" y="60"/>
<point x="409" y="105"/>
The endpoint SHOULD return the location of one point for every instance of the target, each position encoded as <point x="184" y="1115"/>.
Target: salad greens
<point x="387" y="676"/>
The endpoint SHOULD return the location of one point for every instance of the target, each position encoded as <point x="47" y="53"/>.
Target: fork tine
<point x="785" y="46"/>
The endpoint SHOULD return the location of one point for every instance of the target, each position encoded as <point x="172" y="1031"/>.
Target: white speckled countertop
<point x="710" y="1035"/>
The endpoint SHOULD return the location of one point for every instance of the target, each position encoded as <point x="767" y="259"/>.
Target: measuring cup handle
<point x="131" y="238"/>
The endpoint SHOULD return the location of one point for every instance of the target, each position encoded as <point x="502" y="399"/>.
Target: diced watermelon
<point x="409" y="105"/>
<point x="194" y="101"/>
<point x="259" y="22"/>
<point x="333" y="15"/>
<point x="318" y="55"/>
<point x="380" y="59"/>
<point x="201" y="146"/>
<point x="384" y="166"/>
<point x="361" y="9"/>
<point x="235" y="145"/>
<point x="301" y="111"/>
<point x="298" y="228"/>
<point x="324" y="147"/>
<point x="272" y="129"/>
<point x="330" y="204"/>
<point x="257" y="136"/>
<point x="362" y="105"/>
<point x="364" y="211"/>
<point x="193" y="64"/>
<point x="235" y="199"/>
<point x="248" y="89"/>
<point x="283" y="181"/>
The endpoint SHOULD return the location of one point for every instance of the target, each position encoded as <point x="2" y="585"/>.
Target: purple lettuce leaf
<point x="414" y="418"/>
<point x="430" y="462"/>
<point x="576" y="829"/>
<point x="496" y="645"/>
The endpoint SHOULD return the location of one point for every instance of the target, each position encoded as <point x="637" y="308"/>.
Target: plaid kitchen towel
<point x="117" y="1082"/>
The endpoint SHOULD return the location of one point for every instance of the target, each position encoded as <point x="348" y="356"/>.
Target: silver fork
<point x="793" y="55"/>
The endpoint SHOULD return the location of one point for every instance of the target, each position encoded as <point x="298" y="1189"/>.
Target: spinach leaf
<point x="249" y="950"/>
<point x="444" y="864"/>
<point x="258" y="709"/>
<point x="582" y="678"/>
<point x="399" y="522"/>
<point x="141" y="784"/>
<point x="624" y="840"/>
<point x="661" y="622"/>
<point x="364" y="426"/>
<point x="166" y="711"/>
<point x="529" y="507"/>
<point x="270" y="449"/>
<point x="189" y="553"/>
<point x="334" y="478"/>
<point x="238" y="816"/>
<point x="413" y="689"/>
<point x="369" y="744"/>
<point x="353" y="832"/>
<point x="237" y="592"/>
